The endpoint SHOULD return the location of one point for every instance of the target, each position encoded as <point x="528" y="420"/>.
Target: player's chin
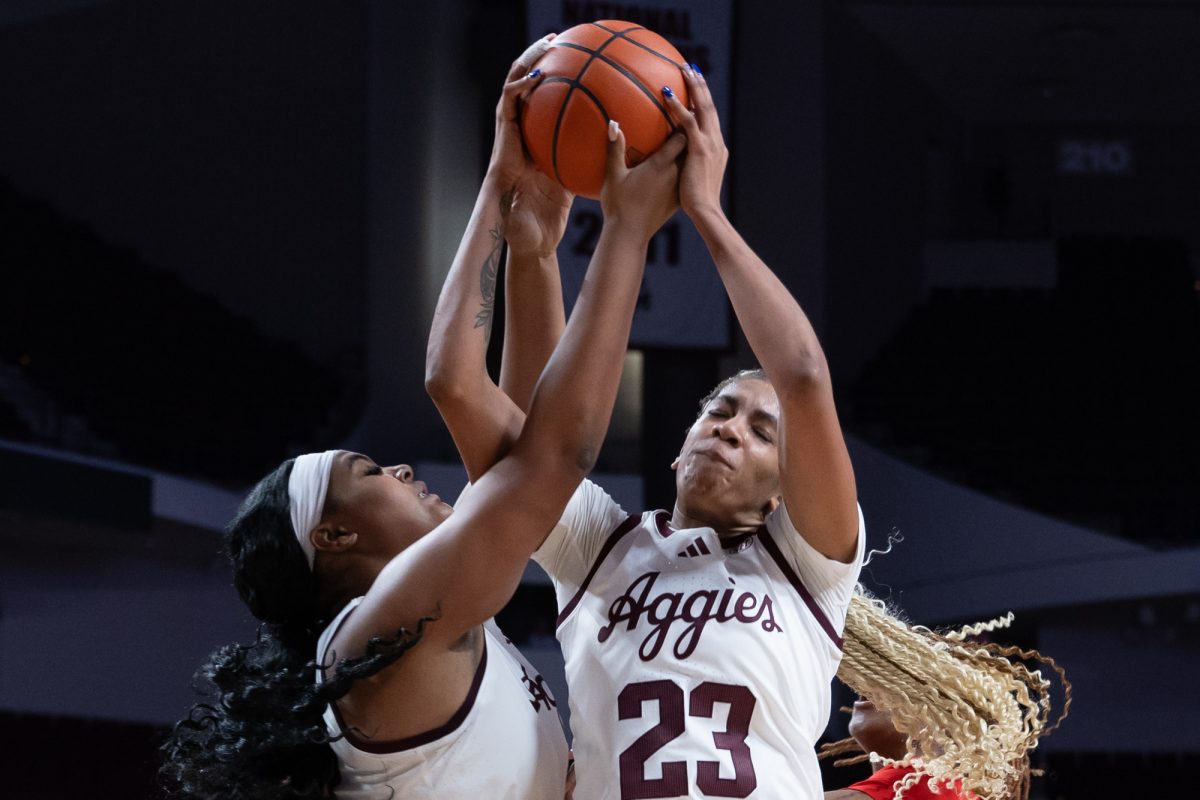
<point x="716" y="501"/>
<point x="712" y="474"/>
<point x="700" y="488"/>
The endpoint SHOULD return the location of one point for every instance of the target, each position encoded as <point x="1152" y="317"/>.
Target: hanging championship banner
<point x="682" y="302"/>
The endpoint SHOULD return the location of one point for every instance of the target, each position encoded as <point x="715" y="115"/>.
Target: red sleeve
<point x="879" y="787"/>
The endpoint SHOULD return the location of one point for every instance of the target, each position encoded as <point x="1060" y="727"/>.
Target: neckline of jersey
<point x="734" y="543"/>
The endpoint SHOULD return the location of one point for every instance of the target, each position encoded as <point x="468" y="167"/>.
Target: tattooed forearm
<point x="487" y="284"/>
<point x="491" y="268"/>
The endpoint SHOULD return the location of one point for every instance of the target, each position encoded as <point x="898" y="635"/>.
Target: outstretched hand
<point x="537" y="207"/>
<point x="700" y="181"/>
<point x="642" y="198"/>
<point x="509" y="162"/>
<point x="538" y="215"/>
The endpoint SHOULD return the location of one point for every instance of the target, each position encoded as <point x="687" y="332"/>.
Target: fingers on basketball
<point x="616" y="148"/>
<point x="702" y="101"/>
<point x="671" y="149"/>
<point x="681" y="115"/>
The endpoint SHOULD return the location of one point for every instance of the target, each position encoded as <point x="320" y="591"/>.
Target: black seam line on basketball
<point x="651" y="50"/>
<point x="622" y="35"/>
<point x="579" y="47"/>
<point x="614" y="30"/>
<point x="595" y="100"/>
<point x="596" y="54"/>
<point x="562" y="110"/>
<point x="645" y="90"/>
<point x="581" y="87"/>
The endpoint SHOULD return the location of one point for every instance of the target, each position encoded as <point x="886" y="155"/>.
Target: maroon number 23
<point x="674" y="780"/>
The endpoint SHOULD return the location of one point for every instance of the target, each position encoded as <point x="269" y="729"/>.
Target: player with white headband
<point x="701" y="642"/>
<point x="413" y="692"/>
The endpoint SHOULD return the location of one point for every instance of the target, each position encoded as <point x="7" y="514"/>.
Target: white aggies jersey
<point x="698" y="667"/>
<point x="505" y="742"/>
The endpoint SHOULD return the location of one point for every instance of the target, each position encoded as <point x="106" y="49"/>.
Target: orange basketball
<point x="596" y="72"/>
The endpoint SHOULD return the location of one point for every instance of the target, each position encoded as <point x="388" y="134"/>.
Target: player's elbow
<point x="572" y="461"/>
<point x="563" y="445"/>
<point x="585" y="459"/>
<point x="442" y="385"/>
<point x="582" y="441"/>
<point x="805" y="373"/>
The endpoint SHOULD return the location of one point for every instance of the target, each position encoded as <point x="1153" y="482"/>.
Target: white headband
<point x="306" y="494"/>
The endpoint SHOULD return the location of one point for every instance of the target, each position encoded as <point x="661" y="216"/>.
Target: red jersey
<point x="879" y="787"/>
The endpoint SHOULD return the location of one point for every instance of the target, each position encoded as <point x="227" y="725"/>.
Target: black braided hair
<point x="258" y="732"/>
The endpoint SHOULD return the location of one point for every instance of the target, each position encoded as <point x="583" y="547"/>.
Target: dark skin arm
<point x="465" y="570"/>
<point x="533" y="289"/>
<point x="485" y="422"/>
<point x="481" y="418"/>
<point x="816" y="477"/>
<point x="519" y="499"/>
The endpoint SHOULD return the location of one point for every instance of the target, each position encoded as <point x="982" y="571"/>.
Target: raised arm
<point x="534" y="320"/>
<point x="520" y="205"/>
<point x="464" y="571"/>
<point x="816" y="476"/>
<point x="481" y="418"/>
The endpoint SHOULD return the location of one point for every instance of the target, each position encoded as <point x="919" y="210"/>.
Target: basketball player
<point x="359" y="565"/>
<point x="874" y="732"/>
<point x="941" y="713"/>
<point x="700" y="643"/>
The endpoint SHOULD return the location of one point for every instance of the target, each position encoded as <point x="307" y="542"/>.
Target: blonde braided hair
<point x="971" y="711"/>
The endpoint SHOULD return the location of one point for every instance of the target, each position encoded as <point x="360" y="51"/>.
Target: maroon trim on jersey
<point x="622" y="529"/>
<point x="663" y="520"/>
<point x="409" y="742"/>
<point x="798" y="585"/>
<point x="737" y="542"/>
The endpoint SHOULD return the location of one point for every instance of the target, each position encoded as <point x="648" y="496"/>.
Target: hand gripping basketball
<point x="645" y="196"/>
<point x="700" y="181"/>
<point x="594" y="73"/>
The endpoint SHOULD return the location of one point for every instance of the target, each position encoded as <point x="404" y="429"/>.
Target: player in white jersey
<point x="366" y="571"/>
<point x="700" y="642"/>
<point x="508" y="718"/>
<point x="717" y="652"/>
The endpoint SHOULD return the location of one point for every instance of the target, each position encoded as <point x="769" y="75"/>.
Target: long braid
<point x="971" y="712"/>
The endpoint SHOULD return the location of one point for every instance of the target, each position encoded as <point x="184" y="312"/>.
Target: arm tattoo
<point x="491" y="266"/>
<point x="487" y="284"/>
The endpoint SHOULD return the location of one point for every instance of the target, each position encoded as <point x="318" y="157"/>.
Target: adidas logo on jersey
<point x="696" y="548"/>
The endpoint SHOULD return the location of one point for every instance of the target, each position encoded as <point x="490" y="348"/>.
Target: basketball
<point x="593" y="73"/>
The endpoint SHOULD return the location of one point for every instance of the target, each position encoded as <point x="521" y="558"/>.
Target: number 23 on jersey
<point x="672" y="719"/>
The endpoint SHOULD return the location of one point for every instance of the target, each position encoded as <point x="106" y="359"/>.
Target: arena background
<point x="223" y="226"/>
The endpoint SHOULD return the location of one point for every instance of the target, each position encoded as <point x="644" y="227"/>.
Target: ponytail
<point x="259" y="731"/>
